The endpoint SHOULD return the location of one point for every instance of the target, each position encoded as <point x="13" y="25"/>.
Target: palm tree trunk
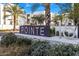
<point x="4" y="15"/>
<point x="14" y="27"/>
<point x="47" y="14"/>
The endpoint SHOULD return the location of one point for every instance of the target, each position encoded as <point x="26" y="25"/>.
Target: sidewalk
<point x="51" y="39"/>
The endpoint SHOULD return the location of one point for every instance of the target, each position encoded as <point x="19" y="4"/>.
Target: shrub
<point x="52" y="32"/>
<point x="63" y="50"/>
<point x="25" y="41"/>
<point x="8" y="39"/>
<point x="40" y="48"/>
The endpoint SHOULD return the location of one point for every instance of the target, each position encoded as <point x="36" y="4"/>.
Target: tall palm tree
<point x="15" y="11"/>
<point x="47" y="11"/>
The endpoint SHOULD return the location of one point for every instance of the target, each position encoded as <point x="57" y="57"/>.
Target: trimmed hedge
<point x="40" y="48"/>
<point x="63" y="50"/>
<point x="8" y="39"/>
<point x="11" y="38"/>
<point x="23" y="41"/>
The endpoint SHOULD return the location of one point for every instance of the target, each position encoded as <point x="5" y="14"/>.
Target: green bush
<point x="63" y="50"/>
<point x="52" y="32"/>
<point x="25" y="41"/>
<point x="40" y="48"/>
<point x="8" y="39"/>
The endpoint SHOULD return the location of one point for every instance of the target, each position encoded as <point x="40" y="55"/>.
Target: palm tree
<point x="4" y="14"/>
<point x="76" y="13"/>
<point x="47" y="11"/>
<point x="56" y="18"/>
<point x="15" y="11"/>
<point x="64" y="8"/>
<point x="40" y="19"/>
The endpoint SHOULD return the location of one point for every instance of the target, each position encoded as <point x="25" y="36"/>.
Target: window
<point x="10" y="20"/>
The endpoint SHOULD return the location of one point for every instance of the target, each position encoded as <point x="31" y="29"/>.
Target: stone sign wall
<point x="35" y="30"/>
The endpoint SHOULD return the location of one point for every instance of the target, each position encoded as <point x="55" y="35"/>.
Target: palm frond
<point x="23" y="16"/>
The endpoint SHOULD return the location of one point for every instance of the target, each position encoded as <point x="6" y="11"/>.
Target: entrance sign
<point x="35" y="30"/>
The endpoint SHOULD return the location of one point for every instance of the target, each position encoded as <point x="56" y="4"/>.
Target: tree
<point x="56" y="18"/>
<point x="64" y="8"/>
<point x="4" y="14"/>
<point x="40" y="19"/>
<point x="76" y="13"/>
<point x="47" y="11"/>
<point x="15" y="11"/>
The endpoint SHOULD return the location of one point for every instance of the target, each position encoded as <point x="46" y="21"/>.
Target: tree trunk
<point x="28" y="18"/>
<point x="14" y="27"/>
<point x="47" y="14"/>
<point x="4" y="15"/>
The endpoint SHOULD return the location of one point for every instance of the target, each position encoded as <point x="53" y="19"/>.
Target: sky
<point x="27" y="8"/>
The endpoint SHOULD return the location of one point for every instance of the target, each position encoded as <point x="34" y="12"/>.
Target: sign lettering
<point x="34" y="30"/>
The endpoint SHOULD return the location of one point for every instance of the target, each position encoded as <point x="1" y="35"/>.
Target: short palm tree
<point x="56" y="18"/>
<point x="40" y="19"/>
<point x="64" y="8"/>
<point x="15" y="11"/>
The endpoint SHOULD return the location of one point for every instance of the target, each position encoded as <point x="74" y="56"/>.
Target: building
<point x="65" y="20"/>
<point x="32" y="21"/>
<point x="52" y="18"/>
<point x="7" y="23"/>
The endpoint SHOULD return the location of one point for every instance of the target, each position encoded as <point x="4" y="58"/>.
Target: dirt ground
<point x="14" y="50"/>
